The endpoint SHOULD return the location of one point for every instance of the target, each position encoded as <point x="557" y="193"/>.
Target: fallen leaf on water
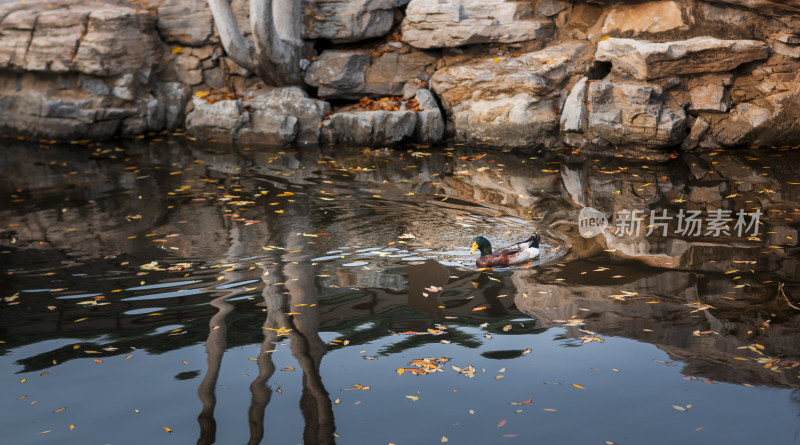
<point x="414" y="398"/>
<point x="501" y="423"/>
<point x="527" y="351"/>
<point x="288" y="368"/>
<point x="59" y="410"/>
<point x="679" y="408"/>
<point x="506" y="328"/>
<point x="479" y="308"/>
<point x="357" y="386"/>
<point x="128" y="357"/>
<point x="98" y="361"/>
<point x="578" y="385"/>
<point x="523" y="402"/>
<point x="444" y="439"/>
<point x="71" y="426"/>
<point x="23" y="380"/>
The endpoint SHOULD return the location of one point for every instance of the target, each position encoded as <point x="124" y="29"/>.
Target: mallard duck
<point x="508" y="256"/>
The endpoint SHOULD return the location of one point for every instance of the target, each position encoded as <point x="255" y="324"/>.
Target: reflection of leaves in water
<point x="187" y="375"/>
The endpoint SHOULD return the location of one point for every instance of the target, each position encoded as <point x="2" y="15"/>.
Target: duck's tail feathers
<point x="534" y="240"/>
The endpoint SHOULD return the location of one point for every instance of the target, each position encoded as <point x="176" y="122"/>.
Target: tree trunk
<point x="277" y="25"/>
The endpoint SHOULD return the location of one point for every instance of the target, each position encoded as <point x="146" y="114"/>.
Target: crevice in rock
<point x="598" y="70"/>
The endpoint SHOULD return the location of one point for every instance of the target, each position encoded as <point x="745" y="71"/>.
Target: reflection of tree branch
<point x="215" y="344"/>
<point x="308" y="349"/>
<point x="261" y="392"/>
<point x="781" y="292"/>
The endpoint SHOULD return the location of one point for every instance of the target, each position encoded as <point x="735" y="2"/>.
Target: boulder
<point x="573" y="114"/>
<point x="219" y="121"/>
<point x="264" y="117"/>
<point x="510" y="102"/>
<point x="346" y="74"/>
<point x="451" y="23"/>
<point x="117" y="41"/>
<point x="292" y="101"/>
<point x="338" y="70"/>
<point x="430" y="122"/>
<point x="649" y="60"/>
<point x="709" y="98"/>
<point x="698" y="132"/>
<point x="34" y="114"/>
<point x="371" y="128"/>
<point x="349" y="20"/>
<point x="633" y="113"/>
<point x="186" y="22"/>
<point x="174" y="96"/>
<point x="649" y="17"/>
<point x="267" y="127"/>
<point x="742" y="124"/>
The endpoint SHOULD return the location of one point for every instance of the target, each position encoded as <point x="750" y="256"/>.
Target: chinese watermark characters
<point x="592" y="222"/>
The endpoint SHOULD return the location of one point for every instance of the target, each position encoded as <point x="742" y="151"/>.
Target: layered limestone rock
<point x="266" y="117"/>
<point x="650" y="17"/>
<point x="76" y="71"/>
<point x="451" y="23"/>
<point x="186" y="22"/>
<point x="651" y="60"/>
<point x="100" y="40"/>
<point x="423" y="125"/>
<point x="349" y="74"/>
<point x="349" y="20"/>
<point x="623" y="113"/>
<point x="510" y="102"/>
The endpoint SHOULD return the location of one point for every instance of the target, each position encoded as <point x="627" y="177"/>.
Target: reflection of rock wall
<point x="661" y="308"/>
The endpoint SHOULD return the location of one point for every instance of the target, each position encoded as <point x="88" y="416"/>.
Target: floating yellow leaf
<point x="479" y="308"/>
<point x="288" y="368"/>
<point x="414" y="398"/>
<point x="578" y="385"/>
<point x="444" y="439"/>
<point x="98" y="360"/>
<point x="167" y="429"/>
<point x="71" y="426"/>
<point x="59" y="410"/>
<point x="23" y="380"/>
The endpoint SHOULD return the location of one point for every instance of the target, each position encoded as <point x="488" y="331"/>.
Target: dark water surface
<point x="158" y="292"/>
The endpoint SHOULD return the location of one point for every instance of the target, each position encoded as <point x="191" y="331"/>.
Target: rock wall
<point x="530" y="73"/>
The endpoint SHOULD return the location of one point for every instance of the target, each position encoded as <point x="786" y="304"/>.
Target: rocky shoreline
<point x="525" y="74"/>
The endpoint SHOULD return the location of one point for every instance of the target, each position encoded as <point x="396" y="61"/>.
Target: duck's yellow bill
<point x="474" y="247"/>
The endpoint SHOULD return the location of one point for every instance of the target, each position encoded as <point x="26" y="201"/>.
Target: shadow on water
<point x="159" y="246"/>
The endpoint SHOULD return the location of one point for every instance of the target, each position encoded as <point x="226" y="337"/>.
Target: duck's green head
<point x="482" y="244"/>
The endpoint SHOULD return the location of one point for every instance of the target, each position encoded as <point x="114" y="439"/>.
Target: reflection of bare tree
<point x="307" y="347"/>
<point x="296" y="316"/>
<point x="216" y="349"/>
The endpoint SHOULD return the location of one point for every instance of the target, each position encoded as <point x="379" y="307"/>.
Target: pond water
<point x="161" y="291"/>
